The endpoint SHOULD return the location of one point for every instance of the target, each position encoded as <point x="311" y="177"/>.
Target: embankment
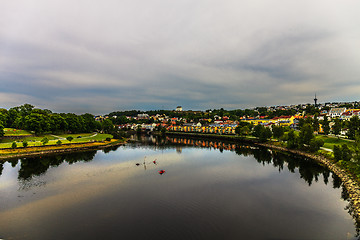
<point x="350" y="184"/>
<point x="54" y="149"/>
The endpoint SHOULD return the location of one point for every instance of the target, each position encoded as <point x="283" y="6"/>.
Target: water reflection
<point x="162" y="195"/>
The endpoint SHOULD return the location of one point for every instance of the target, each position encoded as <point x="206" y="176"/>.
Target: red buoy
<point x="161" y="172"/>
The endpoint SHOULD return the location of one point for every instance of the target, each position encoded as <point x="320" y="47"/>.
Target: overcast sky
<point x="102" y="56"/>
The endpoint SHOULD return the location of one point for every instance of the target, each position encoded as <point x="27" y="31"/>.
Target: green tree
<point x="315" y="144"/>
<point x="306" y="134"/>
<point x="58" y="142"/>
<point x="107" y="126"/>
<point x="346" y="153"/>
<point x="2" y="133"/>
<point x="292" y="140"/>
<point x="69" y="138"/>
<point x="13" y="145"/>
<point x="354" y="127"/>
<point x="325" y="126"/>
<point x="337" y="152"/>
<point x="25" y="143"/>
<point x="44" y="141"/>
<point x="265" y="134"/>
<point x="316" y="123"/>
<point x="336" y="128"/>
<point x="278" y="131"/>
<point x="257" y="130"/>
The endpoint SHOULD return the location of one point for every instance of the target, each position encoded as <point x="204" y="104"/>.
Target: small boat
<point x="161" y="172"/>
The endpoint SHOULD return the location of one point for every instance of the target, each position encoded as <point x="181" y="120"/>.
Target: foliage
<point x="14" y="145"/>
<point x="292" y="140"/>
<point x="278" y="131"/>
<point x="58" y="142"/>
<point x="336" y="128"/>
<point x="25" y="143"/>
<point x="353" y="127"/>
<point x="316" y="144"/>
<point x="262" y="133"/>
<point x="325" y="126"/>
<point x="45" y="140"/>
<point x="2" y="133"/>
<point x="306" y="134"/>
<point x="69" y="138"/>
<point x="107" y="126"/>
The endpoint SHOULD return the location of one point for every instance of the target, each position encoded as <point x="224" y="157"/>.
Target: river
<point x="209" y="190"/>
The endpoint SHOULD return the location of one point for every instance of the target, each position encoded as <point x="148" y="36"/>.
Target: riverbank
<point x="51" y="149"/>
<point x="350" y="184"/>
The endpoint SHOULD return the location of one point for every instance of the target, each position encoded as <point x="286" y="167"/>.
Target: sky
<point x="103" y="56"/>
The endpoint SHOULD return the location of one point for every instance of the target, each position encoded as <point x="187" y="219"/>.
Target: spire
<point x="315" y="100"/>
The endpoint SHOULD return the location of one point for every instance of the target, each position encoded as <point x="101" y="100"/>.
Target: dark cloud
<point x="91" y="56"/>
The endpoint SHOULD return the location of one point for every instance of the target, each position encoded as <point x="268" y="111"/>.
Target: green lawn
<point x="15" y="132"/>
<point x="330" y="141"/>
<point x="36" y="141"/>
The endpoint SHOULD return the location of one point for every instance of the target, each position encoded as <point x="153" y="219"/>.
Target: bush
<point x="316" y="144"/>
<point x="108" y="139"/>
<point x="13" y="145"/>
<point x="45" y="140"/>
<point x="25" y="144"/>
<point x="337" y="153"/>
<point x="58" y="143"/>
<point x="69" y="138"/>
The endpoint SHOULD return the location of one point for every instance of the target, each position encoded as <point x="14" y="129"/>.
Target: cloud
<point x="203" y="54"/>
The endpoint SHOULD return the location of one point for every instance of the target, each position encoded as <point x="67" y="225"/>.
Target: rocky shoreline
<point x="350" y="184"/>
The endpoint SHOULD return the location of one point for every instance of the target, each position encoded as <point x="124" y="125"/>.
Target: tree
<point x="37" y="122"/>
<point x="58" y="142"/>
<point x="315" y="124"/>
<point x="336" y="128"/>
<point x="107" y="126"/>
<point x="316" y="144"/>
<point x="346" y="153"/>
<point x="325" y="126"/>
<point x="25" y="143"/>
<point x="278" y="131"/>
<point x="257" y="130"/>
<point x="265" y="134"/>
<point x="45" y="140"/>
<point x="306" y="134"/>
<point x="13" y="145"/>
<point x="337" y="152"/>
<point x="354" y="127"/>
<point x="69" y="138"/>
<point x="2" y="133"/>
<point x="292" y="140"/>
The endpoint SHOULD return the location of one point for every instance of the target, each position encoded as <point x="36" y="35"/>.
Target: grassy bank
<point x="47" y="149"/>
<point x="34" y="141"/>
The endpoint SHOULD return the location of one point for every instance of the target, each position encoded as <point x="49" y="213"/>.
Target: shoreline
<point x="351" y="185"/>
<point x="54" y="149"/>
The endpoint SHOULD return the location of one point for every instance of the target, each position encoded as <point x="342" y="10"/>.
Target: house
<point x="179" y="109"/>
<point x="336" y="112"/>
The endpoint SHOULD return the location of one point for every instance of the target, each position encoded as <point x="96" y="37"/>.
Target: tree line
<point x="40" y="121"/>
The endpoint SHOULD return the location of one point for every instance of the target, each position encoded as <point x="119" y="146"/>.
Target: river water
<point x="209" y="190"/>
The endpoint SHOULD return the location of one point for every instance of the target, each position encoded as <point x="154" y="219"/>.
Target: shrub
<point x="25" y="144"/>
<point x="69" y="138"/>
<point x="13" y="145"/>
<point x="45" y="140"/>
<point x="58" y="143"/>
<point x="108" y="139"/>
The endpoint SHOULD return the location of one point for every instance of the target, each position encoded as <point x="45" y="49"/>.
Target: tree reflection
<point x="36" y="166"/>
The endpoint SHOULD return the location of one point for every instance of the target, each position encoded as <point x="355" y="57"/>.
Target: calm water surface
<point x="209" y="191"/>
